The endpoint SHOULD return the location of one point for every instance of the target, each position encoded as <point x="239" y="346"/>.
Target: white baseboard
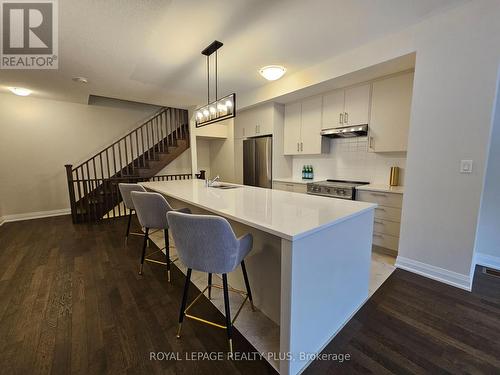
<point x="436" y="273"/>
<point x="34" y="215"/>
<point x="487" y="260"/>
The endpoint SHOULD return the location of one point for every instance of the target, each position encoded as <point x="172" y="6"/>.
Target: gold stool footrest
<point x="208" y="321"/>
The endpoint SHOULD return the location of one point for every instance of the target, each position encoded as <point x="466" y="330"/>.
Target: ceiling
<point x="149" y="50"/>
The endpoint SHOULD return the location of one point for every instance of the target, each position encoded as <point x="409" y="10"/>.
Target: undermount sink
<point x="224" y="186"/>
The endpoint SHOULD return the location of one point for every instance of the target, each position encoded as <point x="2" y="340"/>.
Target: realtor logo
<point x="29" y="34"/>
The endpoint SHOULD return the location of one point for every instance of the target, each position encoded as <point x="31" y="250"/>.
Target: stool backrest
<point x="151" y="209"/>
<point x="125" y="190"/>
<point x="204" y="243"/>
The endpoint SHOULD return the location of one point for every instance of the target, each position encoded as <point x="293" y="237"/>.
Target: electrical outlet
<point x="466" y="166"/>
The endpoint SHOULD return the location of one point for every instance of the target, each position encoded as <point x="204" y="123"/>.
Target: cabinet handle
<point x="298" y="149"/>
<point x="379" y="194"/>
<point x="341" y="118"/>
<point x="243" y="132"/>
<point x="377" y="235"/>
<point x="301" y="146"/>
<point x="346" y="117"/>
<point x="370" y="142"/>
<point x="379" y="222"/>
<point x="380" y="209"/>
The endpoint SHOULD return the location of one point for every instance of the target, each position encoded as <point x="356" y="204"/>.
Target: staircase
<point x="138" y="156"/>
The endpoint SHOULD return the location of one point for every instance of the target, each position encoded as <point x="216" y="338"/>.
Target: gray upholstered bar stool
<point x="207" y="243"/>
<point x="151" y="209"/>
<point x="125" y="190"/>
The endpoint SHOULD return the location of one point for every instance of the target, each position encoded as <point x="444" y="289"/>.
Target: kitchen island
<point x="310" y="265"/>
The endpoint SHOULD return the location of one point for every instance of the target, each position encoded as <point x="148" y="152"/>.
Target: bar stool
<point x="125" y="190"/>
<point x="207" y="243"/>
<point x="151" y="209"/>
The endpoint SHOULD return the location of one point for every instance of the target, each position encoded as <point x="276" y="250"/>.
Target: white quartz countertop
<point x="285" y="214"/>
<point x="292" y="180"/>
<point x="382" y="187"/>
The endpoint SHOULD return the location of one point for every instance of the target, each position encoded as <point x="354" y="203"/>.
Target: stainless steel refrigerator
<point x="257" y="162"/>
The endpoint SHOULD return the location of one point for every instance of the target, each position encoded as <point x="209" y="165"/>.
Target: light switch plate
<point x="465" y="166"/>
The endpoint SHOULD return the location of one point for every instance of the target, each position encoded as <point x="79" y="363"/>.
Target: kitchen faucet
<point x="209" y="182"/>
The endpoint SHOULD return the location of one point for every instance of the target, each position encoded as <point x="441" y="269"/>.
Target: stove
<point x="335" y="188"/>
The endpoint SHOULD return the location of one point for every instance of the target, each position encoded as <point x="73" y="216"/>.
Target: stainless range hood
<point x="346" y="131"/>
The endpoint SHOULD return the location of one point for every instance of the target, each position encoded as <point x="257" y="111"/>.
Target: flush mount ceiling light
<point x="222" y="108"/>
<point x="20" y="91"/>
<point x="80" y="80"/>
<point x="272" y="72"/>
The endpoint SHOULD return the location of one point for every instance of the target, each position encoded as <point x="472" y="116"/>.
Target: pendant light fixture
<point x="221" y="108"/>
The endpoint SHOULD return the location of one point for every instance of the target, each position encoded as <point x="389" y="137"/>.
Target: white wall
<point x="349" y="159"/>
<point x="487" y="246"/>
<point x="455" y="81"/>
<point x="222" y="154"/>
<point x="38" y="137"/>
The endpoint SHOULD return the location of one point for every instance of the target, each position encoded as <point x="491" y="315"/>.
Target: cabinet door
<point x="333" y="109"/>
<point x="311" y="139"/>
<point x="357" y="105"/>
<point x="390" y="114"/>
<point x="291" y="136"/>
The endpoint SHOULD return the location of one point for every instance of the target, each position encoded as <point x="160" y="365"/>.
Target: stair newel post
<point x="71" y="190"/>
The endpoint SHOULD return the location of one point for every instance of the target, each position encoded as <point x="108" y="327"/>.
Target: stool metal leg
<point x="128" y="226"/>
<point x="209" y="286"/>
<point x="247" y="284"/>
<point x="184" y="301"/>
<point x="228" y="312"/>
<point x="144" y="250"/>
<point x="167" y="253"/>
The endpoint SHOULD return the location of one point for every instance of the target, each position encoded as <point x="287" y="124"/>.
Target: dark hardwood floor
<point x="73" y="303"/>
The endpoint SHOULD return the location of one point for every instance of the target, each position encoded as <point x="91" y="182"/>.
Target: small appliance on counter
<point x="335" y="188"/>
<point x="307" y="172"/>
<point x="394" y="178"/>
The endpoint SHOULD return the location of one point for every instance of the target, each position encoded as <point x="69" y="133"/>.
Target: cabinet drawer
<point x="388" y="213"/>
<point x="381" y="198"/>
<point x="386" y="227"/>
<point x="290" y="186"/>
<point x="385" y="240"/>
<point x="300" y="188"/>
<point x="282" y="186"/>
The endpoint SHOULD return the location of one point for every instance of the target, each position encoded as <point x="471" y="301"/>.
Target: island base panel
<point x="324" y="281"/>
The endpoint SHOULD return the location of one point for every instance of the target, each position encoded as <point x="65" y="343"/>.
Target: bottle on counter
<point x="303" y="172"/>
<point x="312" y="173"/>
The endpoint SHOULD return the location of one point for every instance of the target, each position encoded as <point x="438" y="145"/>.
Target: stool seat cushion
<point x="152" y="208"/>
<point x="207" y="243"/>
<point x="125" y="190"/>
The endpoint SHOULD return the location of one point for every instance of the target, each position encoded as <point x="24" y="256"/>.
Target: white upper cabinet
<point x="390" y="114"/>
<point x="346" y="107"/>
<point x="291" y="134"/>
<point x="357" y="105"/>
<point x="254" y="122"/>
<point x="333" y="109"/>
<point x="302" y="128"/>
<point x="311" y="139"/>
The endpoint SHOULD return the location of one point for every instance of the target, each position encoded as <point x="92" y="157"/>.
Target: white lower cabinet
<point x="290" y="186"/>
<point x="387" y="223"/>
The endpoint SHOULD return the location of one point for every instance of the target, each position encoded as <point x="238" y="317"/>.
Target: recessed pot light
<point x="272" y="72"/>
<point x="20" y="91"/>
<point x="81" y="80"/>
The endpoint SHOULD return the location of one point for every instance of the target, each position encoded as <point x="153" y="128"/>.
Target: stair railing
<point x="93" y="184"/>
<point x="104" y="202"/>
<point x="135" y="149"/>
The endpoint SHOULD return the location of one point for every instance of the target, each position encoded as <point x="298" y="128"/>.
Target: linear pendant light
<point x="222" y="108"/>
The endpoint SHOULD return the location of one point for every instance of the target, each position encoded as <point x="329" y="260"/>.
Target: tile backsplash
<point x="349" y="159"/>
